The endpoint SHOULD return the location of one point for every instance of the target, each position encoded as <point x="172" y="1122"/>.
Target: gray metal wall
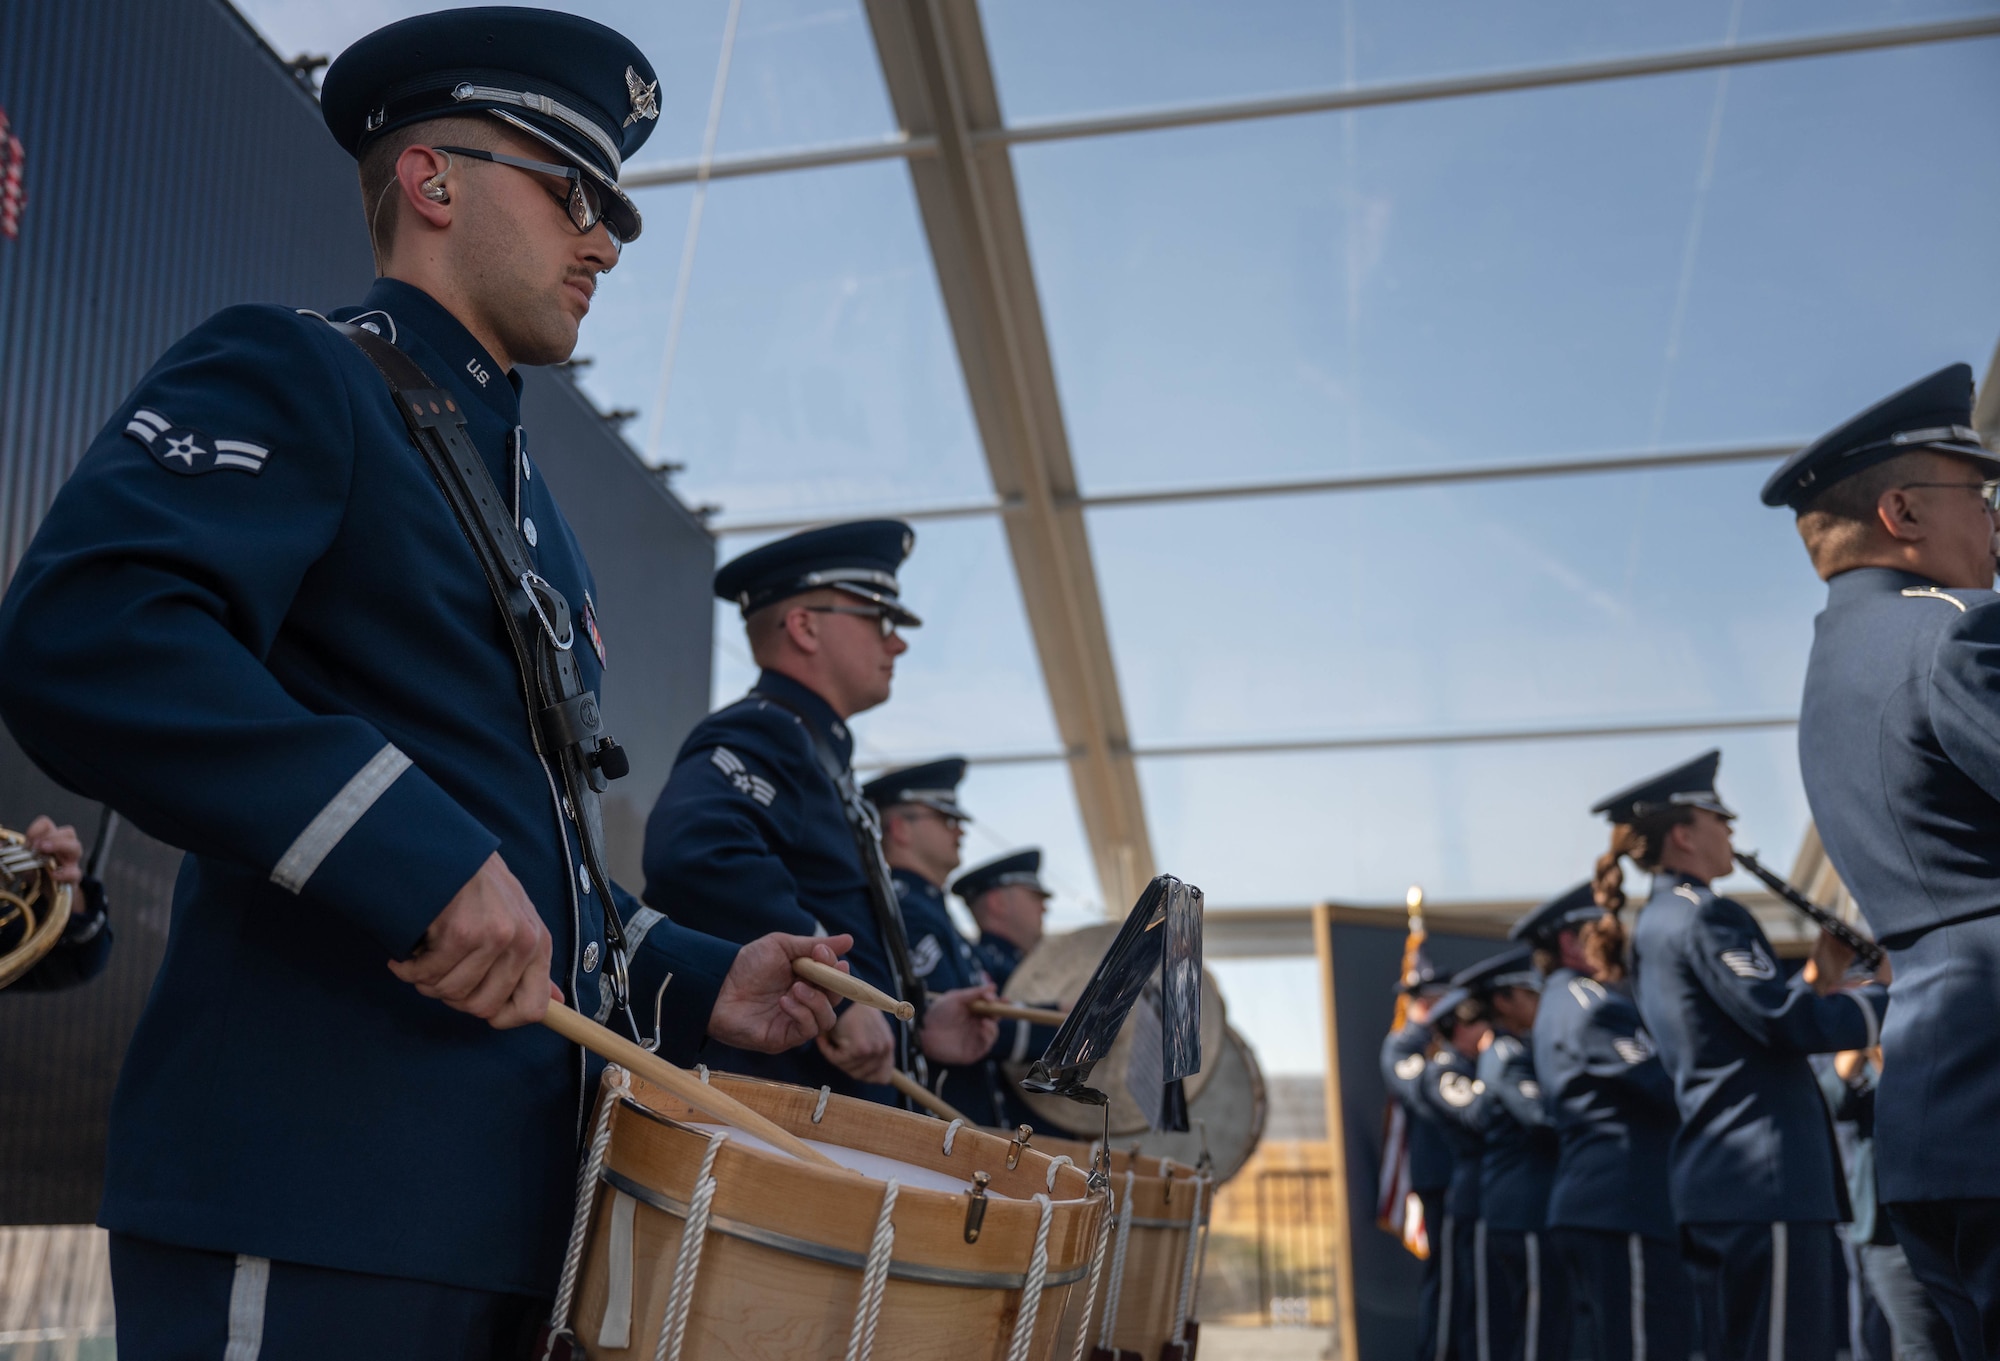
<point x="175" y="166"/>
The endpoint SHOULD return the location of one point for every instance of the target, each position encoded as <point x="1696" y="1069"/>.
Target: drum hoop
<point x="820" y="1252"/>
<point x="1180" y="1223"/>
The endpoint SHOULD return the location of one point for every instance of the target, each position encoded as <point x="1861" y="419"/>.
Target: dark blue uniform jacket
<point x="749" y="837"/>
<point x="1754" y="1145"/>
<point x="1612" y="1104"/>
<point x="1446" y="1090"/>
<point x="1000" y="957"/>
<point x="945" y="960"/>
<point x="1519" y="1165"/>
<point x="1404" y="1065"/>
<point x="1899" y="744"/>
<point x="290" y="665"/>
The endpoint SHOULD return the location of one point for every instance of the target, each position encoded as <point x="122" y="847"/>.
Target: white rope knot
<point x="1061" y="1162"/>
<point x="687" y="1262"/>
<point x="615" y="1083"/>
<point x="874" y="1278"/>
<point x="950" y="1133"/>
<point x="819" y="1107"/>
<point x="1031" y="1292"/>
<point x="701" y="1070"/>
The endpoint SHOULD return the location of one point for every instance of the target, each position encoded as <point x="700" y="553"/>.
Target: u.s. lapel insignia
<point x="645" y="98"/>
<point x="590" y="628"/>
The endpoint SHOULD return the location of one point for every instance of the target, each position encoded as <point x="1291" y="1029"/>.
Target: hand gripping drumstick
<point x="1007" y="1011"/>
<point x="610" y="1045"/>
<point x="830" y="979"/>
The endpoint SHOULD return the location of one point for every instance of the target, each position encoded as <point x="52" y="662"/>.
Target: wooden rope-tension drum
<point x="933" y="1242"/>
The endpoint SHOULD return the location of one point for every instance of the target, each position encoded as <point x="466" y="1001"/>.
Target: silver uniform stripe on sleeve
<point x="337" y="819"/>
<point x="247" y="1290"/>
<point x="1780" y="1251"/>
<point x="1874" y="1021"/>
<point x="644" y="920"/>
<point x="1635" y="1251"/>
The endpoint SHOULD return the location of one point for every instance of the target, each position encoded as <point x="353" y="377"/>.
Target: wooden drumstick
<point x="610" y="1045"/>
<point x="1007" y="1011"/>
<point x="925" y="1097"/>
<point x="848" y="986"/>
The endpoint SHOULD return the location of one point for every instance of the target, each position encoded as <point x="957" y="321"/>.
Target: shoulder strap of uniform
<point x="566" y="723"/>
<point x="866" y="826"/>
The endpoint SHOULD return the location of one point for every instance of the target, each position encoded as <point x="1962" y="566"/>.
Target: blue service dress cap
<point x="581" y="89"/>
<point x="1931" y="413"/>
<point x="1689" y="785"/>
<point x="934" y="785"/>
<point x="1511" y="968"/>
<point x="860" y="558"/>
<point x="1560" y="913"/>
<point x="1422" y="979"/>
<point x="1022" y="867"/>
<point x="1444" y="1009"/>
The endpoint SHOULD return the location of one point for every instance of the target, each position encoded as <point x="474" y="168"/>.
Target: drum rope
<point x="819" y="1107"/>
<point x="1117" y="1265"/>
<point x="874" y="1279"/>
<point x="1061" y="1162"/>
<point x="616" y="1082"/>
<point x="1031" y="1293"/>
<point x="1187" y="1268"/>
<point x="950" y="1133"/>
<point x="1096" y="1274"/>
<point x="687" y="1262"/>
<point x="1200" y="1267"/>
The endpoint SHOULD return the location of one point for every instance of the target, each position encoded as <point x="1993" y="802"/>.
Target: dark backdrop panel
<point x="175" y="166"/>
<point x="1366" y="963"/>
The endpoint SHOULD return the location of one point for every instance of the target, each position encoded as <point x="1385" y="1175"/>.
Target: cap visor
<point x="618" y="211"/>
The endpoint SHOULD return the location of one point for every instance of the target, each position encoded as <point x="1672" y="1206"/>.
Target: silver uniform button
<point x="583" y="877"/>
<point x="590" y="957"/>
<point x="528" y="531"/>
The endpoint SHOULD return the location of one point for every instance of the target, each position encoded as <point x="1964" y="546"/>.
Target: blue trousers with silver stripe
<point x="1633" y="1296"/>
<point x="185" y="1304"/>
<point x="1766" y="1290"/>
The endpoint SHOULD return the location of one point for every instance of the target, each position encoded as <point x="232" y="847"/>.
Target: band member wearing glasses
<point x="761" y="822"/>
<point x="1899" y="745"/>
<point x="1755" y="1178"/>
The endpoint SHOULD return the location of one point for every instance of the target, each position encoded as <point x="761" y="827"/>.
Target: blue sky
<point x="1702" y="259"/>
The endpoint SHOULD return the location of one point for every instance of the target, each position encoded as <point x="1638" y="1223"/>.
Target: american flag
<point x="1398" y="1209"/>
<point x="13" y="194"/>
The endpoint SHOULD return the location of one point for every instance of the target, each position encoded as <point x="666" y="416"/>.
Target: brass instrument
<point x="34" y="908"/>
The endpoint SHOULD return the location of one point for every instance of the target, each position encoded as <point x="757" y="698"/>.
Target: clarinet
<point x="1865" y="950"/>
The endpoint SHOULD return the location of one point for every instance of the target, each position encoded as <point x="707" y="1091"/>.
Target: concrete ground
<point x="1220" y="1343"/>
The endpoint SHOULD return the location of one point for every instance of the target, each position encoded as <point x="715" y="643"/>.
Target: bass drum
<point x="1227" y="1120"/>
<point x="1055" y="973"/>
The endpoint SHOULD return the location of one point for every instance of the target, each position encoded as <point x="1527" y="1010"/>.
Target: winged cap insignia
<point x="645" y="98"/>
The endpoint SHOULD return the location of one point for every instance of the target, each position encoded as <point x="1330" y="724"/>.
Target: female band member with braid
<point x="1612" y="1105"/>
<point x="1754" y="1176"/>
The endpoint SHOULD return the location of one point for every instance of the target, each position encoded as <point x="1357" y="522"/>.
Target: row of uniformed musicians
<point x="255" y="624"/>
<point x="1617" y="1153"/>
<point x="1650" y="1112"/>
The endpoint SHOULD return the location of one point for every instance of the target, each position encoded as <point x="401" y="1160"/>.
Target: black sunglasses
<point x="583" y="203"/>
<point x="883" y="618"/>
